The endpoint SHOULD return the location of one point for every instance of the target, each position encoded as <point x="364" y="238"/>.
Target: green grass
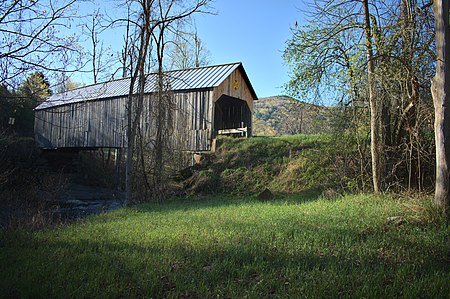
<point x="269" y="149"/>
<point x="279" y="163"/>
<point x="236" y="247"/>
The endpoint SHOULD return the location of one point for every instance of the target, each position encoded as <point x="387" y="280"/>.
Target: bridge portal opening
<point x="232" y="116"/>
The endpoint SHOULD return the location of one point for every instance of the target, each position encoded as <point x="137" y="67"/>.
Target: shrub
<point x="20" y="161"/>
<point x="28" y="189"/>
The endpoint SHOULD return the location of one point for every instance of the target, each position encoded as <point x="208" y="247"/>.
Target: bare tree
<point x="30" y="37"/>
<point x="155" y="20"/>
<point x="126" y="51"/>
<point x="64" y="83"/>
<point x="187" y="51"/>
<point x="441" y="96"/>
<point x="373" y="56"/>
<point x="376" y="146"/>
<point x="135" y="99"/>
<point x="101" y="60"/>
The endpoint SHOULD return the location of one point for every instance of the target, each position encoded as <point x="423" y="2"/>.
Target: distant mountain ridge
<point x="284" y="115"/>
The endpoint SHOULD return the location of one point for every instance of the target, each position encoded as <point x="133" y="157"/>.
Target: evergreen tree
<point x="34" y="90"/>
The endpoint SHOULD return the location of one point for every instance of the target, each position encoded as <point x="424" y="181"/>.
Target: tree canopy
<point x="377" y="57"/>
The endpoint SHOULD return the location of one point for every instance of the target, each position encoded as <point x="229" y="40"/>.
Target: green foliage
<point x="327" y="59"/>
<point x="323" y="62"/>
<point x="19" y="105"/>
<point x="235" y="248"/>
<point x="36" y="87"/>
<point x="289" y="164"/>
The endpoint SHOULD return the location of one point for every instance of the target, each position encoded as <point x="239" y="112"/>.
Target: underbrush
<point x="19" y="161"/>
<point x="234" y="247"/>
<point x="28" y="189"/>
<point x="32" y="206"/>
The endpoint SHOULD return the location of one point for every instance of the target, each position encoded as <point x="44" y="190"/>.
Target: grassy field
<point x="297" y="247"/>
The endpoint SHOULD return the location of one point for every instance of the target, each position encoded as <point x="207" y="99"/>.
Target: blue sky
<point x="253" y="32"/>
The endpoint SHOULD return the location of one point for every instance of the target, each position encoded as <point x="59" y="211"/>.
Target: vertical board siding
<point x="84" y="124"/>
<point x="235" y="86"/>
<point x="189" y="122"/>
<point x="102" y="123"/>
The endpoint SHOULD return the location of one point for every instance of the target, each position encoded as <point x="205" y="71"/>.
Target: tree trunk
<point x="375" y="115"/>
<point x="134" y="111"/>
<point x="440" y="90"/>
<point x="130" y="147"/>
<point x="161" y="116"/>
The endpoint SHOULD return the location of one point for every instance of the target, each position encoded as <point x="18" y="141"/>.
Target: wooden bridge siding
<point x="239" y="90"/>
<point x="103" y="123"/>
<point x="192" y="120"/>
<point x="85" y="124"/>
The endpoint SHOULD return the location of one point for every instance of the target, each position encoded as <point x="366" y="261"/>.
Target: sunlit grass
<point x="278" y="163"/>
<point x="237" y="247"/>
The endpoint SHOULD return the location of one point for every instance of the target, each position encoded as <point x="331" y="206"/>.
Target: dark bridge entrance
<point x="232" y="116"/>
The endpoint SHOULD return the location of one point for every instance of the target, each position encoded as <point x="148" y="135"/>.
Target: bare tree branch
<point x="31" y="39"/>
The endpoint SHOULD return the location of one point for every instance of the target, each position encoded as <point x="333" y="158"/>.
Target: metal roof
<point x="195" y="78"/>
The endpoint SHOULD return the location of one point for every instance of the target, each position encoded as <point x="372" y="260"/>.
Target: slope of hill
<point x="283" y="115"/>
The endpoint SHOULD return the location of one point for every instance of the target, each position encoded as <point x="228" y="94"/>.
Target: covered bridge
<point x="209" y="101"/>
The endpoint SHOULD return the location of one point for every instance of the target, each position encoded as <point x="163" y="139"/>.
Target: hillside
<point x="285" y="164"/>
<point x="251" y="165"/>
<point x="283" y="115"/>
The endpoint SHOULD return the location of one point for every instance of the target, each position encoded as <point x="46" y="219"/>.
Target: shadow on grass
<point x="238" y="266"/>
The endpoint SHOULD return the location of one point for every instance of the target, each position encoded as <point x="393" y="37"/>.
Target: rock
<point x="330" y="194"/>
<point x="265" y="195"/>
<point x="395" y="220"/>
<point x="198" y="158"/>
<point x="186" y="173"/>
<point x="183" y="174"/>
<point x="208" y="268"/>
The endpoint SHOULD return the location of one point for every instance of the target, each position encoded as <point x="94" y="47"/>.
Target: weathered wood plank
<point x="235" y="86"/>
<point x="102" y="123"/>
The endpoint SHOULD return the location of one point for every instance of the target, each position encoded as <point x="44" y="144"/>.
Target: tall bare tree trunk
<point x="126" y="46"/>
<point x="134" y="111"/>
<point x="440" y="90"/>
<point x="375" y="115"/>
<point x="130" y="147"/>
<point x="162" y="107"/>
<point x="154" y="14"/>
